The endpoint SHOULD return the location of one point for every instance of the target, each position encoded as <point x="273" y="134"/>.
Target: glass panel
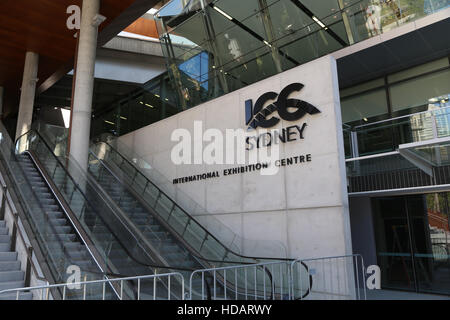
<point x="225" y="46"/>
<point x="347" y="143"/>
<point x="388" y="135"/>
<point x="179" y="220"/>
<point x="393" y="243"/>
<point x="195" y="235"/>
<point x="362" y="87"/>
<point x="430" y="231"/>
<point x="418" y="224"/>
<point x="164" y="206"/>
<point x="419" y="91"/>
<point x="115" y="245"/>
<point x="423" y="68"/>
<point x="364" y="106"/>
<point x="168" y="209"/>
<point x="213" y="250"/>
<point x="442" y="117"/>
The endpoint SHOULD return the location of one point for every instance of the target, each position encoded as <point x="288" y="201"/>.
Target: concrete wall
<point x="363" y="236"/>
<point x="128" y="67"/>
<point x="305" y="206"/>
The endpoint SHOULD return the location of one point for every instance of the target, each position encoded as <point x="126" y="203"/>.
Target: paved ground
<point x="402" y="295"/>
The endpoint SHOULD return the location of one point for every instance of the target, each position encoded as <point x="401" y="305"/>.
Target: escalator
<point x="58" y="222"/>
<point x="163" y="224"/>
<point x="75" y="226"/>
<point x="133" y="228"/>
<point x="170" y="250"/>
<point x="46" y="221"/>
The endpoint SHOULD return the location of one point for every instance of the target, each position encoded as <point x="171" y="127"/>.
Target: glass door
<point x="393" y="241"/>
<point x="430" y="229"/>
<point x="413" y="242"/>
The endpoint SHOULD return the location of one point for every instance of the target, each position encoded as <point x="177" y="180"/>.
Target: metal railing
<point x="83" y="286"/>
<point x="261" y="281"/>
<point x="333" y="278"/>
<point x="16" y="234"/>
<point x="416" y="127"/>
<point x="326" y="278"/>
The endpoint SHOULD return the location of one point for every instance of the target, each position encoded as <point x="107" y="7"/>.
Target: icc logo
<point x="256" y="116"/>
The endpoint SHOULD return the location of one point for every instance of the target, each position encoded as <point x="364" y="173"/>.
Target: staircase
<point x="11" y="276"/>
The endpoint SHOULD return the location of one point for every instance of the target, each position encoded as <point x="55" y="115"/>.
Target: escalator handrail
<point x="190" y="217"/>
<point x="130" y="255"/>
<point x="227" y="251"/>
<point x="52" y="227"/>
<point x="206" y="231"/>
<point x="191" y="250"/>
<point x="125" y="247"/>
<point x="152" y="266"/>
<point x="195" y="253"/>
<point x="60" y="204"/>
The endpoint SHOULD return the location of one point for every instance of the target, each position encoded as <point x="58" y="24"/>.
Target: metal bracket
<point x="98" y="20"/>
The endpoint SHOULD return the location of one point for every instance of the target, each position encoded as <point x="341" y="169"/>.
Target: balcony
<point x="401" y="153"/>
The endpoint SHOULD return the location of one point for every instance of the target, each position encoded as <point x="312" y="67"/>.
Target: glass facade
<point x="153" y="102"/>
<point x="242" y="42"/>
<point x="215" y="47"/>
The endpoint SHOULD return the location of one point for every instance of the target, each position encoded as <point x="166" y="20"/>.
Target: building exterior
<point x="283" y="129"/>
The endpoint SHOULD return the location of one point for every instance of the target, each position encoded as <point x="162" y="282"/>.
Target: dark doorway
<point x="413" y="242"/>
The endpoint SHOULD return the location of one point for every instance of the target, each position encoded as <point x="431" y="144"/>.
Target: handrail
<point x="28" y="247"/>
<point x="30" y="252"/>
<point x="88" y="201"/>
<point x="46" y="215"/>
<point x="191" y="250"/>
<point x="126" y="249"/>
<point x="187" y="214"/>
<point x="207" y="233"/>
<point x="372" y="156"/>
<point x="401" y="117"/>
<point x="66" y="209"/>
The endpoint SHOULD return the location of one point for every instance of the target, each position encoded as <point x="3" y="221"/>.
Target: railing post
<point x="434" y="126"/>
<point x="28" y="267"/>
<point x="354" y="143"/>
<point x="2" y="208"/>
<point x="14" y="233"/>
<point x="145" y="188"/>
<point x="135" y="175"/>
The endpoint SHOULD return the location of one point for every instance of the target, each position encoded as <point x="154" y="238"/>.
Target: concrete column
<point x="84" y="82"/>
<point x="27" y="94"/>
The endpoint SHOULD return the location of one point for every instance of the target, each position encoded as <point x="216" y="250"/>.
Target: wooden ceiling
<point x="40" y="26"/>
<point x="143" y="26"/>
